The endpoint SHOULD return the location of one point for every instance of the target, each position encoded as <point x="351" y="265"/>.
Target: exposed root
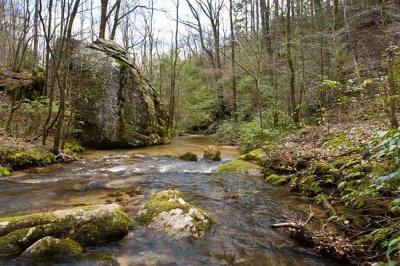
<point x="324" y="242"/>
<point x="64" y="158"/>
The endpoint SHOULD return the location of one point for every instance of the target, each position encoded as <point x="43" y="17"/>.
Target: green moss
<point x="9" y="244"/>
<point x="52" y="247"/>
<point x="24" y="158"/>
<point x="321" y="169"/>
<point x="87" y="225"/>
<point x="72" y="147"/>
<point x="239" y="166"/>
<point x="343" y="161"/>
<point x="336" y="141"/>
<point x="309" y="185"/>
<point x="189" y="156"/>
<point x="167" y="200"/>
<point x="201" y="227"/>
<point x="5" y="171"/>
<point x="25" y="221"/>
<point x="257" y="156"/>
<point x="161" y="201"/>
<point x="277" y="180"/>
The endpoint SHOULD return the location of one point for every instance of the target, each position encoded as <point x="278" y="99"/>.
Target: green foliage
<point x="197" y="102"/>
<point x="249" y="135"/>
<point x="386" y="146"/>
<point x="29" y="118"/>
<point x="4" y="171"/>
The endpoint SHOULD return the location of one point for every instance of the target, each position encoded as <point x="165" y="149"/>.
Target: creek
<point x="240" y="235"/>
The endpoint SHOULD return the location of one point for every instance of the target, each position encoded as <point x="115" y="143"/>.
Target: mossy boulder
<point x="241" y="167"/>
<point x="88" y="225"/>
<point x="257" y="156"/>
<point x="114" y="102"/>
<point x="168" y="211"/>
<point x="277" y="180"/>
<point x="189" y="156"/>
<point x="4" y="171"/>
<point x="212" y="153"/>
<point x="52" y="247"/>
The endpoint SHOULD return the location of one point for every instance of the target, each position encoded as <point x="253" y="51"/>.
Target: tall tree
<point x="64" y="86"/>
<point x="294" y="110"/>
<point x="172" y="97"/>
<point x="233" y="63"/>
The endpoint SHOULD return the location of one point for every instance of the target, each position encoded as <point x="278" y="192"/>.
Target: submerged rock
<point x="88" y="225"/>
<point x="168" y="211"/>
<point x="212" y="153"/>
<point x="115" y="104"/>
<point x="52" y="247"/>
<point x="189" y="156"/>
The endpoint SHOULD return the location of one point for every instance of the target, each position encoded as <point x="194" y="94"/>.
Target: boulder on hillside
<point x="168" y="211"/>
<point x="115" y="104"/>
<point x="87" y="225"/>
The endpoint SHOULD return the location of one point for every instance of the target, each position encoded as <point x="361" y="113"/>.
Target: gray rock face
<point x="115" y="104"/>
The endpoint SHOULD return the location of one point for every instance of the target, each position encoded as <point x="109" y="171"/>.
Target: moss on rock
<point x="321" y="169"/>
<point x="87" y="225"/>
<point x="277" y="180"/>
<point x="52" y="247"/>
<point x="189" y="156"/>
<point x="257" y="156"/>
<point x="212" y="153"/>
<point x="241" y="167"/>
<point x="167" y="210"/>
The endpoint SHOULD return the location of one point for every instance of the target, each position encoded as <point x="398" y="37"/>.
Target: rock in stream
<point x="168" y="211"/>
<point x="82" y="226"/>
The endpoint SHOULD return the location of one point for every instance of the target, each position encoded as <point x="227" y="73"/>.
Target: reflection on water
<point x="240" y="235"/>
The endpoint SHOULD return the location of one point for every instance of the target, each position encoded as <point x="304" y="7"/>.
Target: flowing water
<point x="240" y="235"/>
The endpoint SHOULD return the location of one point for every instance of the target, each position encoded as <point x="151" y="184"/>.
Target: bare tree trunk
<point x="173" y="76"/>
<point x="235" y="111"/>
<point x="393" y="54"/>
<point x="63" y="88"/>
<point x="116" y="19"/>
<point x="275" y="58"/>
<point x="352" y="44"/>
<point x="103" y="19"/>
<point x="293" y="103"/>
<point x="35" y="38"/>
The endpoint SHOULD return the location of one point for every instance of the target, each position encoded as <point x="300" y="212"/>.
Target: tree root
<point x="326" y="243"/>
<point x="64" y="158"/>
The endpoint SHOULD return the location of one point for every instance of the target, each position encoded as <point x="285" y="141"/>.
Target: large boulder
<point x="168" y="211"/>
<point x="88" y="225"/>
<point x="115" y="104"/>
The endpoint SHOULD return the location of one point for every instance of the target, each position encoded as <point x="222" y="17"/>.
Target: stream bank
<point x="332" y="167"/>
